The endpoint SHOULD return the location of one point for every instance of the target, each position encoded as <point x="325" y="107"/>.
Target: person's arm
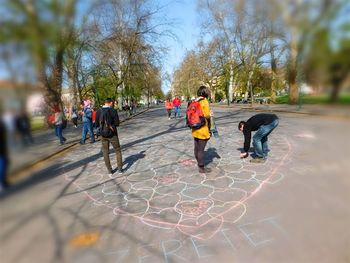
<point x="116" y="118"/>
<point x="247" y="138"/>
<point x="205" y="108"/>
<point x="56" y="118"/>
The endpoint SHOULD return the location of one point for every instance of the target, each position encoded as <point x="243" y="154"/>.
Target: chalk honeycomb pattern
<point x="164" y="189"/>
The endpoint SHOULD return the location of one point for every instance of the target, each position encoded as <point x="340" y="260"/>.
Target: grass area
<point x="319" y="99"/>
<point x="37" y="123"/>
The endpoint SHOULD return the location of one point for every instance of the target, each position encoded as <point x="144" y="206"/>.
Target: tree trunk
<point x="230" y="89"/>
<point x="292" y="74"/>
<point x="335" y="93"/>
<point x="273" y="80"/>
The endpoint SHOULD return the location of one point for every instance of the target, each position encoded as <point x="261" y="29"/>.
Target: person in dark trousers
<point x="23" y="127"/>
<point x="202" y="135"/>
<point x="58" y="122"/>
<point x="4" y="161"/>
<point x="75" y="118"/>
<point x="263" y="124"/>
<point x="107" y="120"/>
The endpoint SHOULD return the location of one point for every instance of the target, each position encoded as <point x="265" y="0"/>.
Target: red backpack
<point x="194" y="115"/>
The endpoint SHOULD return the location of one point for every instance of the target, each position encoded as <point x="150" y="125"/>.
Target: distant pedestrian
<point x="133" y="107"/>
<point x="58" y="122"/>
<point x="24" y="128"/>
<point x="198" y="116"/>
<point x="86" y="114"/>
<point x="93" y="117"/>
<point x="169" y="106"/>
<point x="75" y="117"/>
<point x="4" y="160"/>
<point x="177" y="106"/>
<point x="263" y="124"/>
<point x="107" y="120"/>
<point x="9" y="119"/>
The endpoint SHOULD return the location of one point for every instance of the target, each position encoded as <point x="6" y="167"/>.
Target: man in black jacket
<point x="3" y="155"/>
<point x="264" y="124"/>
<point x="107" y="120"/>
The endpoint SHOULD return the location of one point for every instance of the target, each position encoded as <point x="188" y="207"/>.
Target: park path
<point x="46" y="144"/>
<point x="290" y="209"/>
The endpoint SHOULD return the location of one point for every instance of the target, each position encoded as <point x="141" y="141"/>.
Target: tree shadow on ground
<point x="48" y="173"/>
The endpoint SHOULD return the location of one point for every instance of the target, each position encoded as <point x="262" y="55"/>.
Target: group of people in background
<point x="86" y="114"/>
<point x="173" y="106"/>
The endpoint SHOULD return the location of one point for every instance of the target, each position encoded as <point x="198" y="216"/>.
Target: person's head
<point x="109" y="102"/>
<point x="203" y="92"/>
<point x="87" y="103"/>
<point x="241" y="125"/>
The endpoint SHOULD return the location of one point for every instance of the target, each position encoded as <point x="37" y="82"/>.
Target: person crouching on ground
<point x="202" y="135"/>
<point x="107" y="120"/>
<point x="264" y="124"/>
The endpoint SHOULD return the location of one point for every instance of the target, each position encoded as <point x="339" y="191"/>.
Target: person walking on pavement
<point x="169" y="106"/>
<point x="263" y="124"/>
<point x="4" y="160"/>
<point x="177" y="106"/>
<point x="58" y="122"/>
<point x="107" y="120"/>
<point x="86" y="114"/>
<point x="75" y="117"/>
<point x="201" y="135"/>
<point x="23" y="127"/>
<point x="93" y="118"/>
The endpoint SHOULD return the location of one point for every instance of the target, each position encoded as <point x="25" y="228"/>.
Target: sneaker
<point x="119" y="171"/>
<point x="257" y="160"/>
<point x="204" y="170"/>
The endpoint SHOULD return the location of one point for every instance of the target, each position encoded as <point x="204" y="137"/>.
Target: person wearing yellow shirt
<point x="202" y="135"/>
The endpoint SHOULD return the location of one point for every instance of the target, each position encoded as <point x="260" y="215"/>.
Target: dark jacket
<point x="3" y="141"/>
<point x="112" y="114"/>
<point x="253" y="124"/>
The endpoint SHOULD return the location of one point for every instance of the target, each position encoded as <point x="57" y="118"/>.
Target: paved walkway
<point x="290" y="209"/>
<point x="338" y="111"/>
<point x="46" y="144"/>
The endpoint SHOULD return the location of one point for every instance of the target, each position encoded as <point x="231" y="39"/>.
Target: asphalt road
<point x="293" y="208"/>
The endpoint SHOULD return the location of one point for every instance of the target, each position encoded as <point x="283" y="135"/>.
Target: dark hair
<point x="108" y="100"/>
<point x="240" y="124"/>
<point x="203" y="92"/>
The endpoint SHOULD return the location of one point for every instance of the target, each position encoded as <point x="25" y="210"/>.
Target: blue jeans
<point x="3" y="167"/>
<point x="260" y="139"/>
<point x="87" y="127"/>
<point x="58" y="132"/>
<point x="177" y="111"/>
